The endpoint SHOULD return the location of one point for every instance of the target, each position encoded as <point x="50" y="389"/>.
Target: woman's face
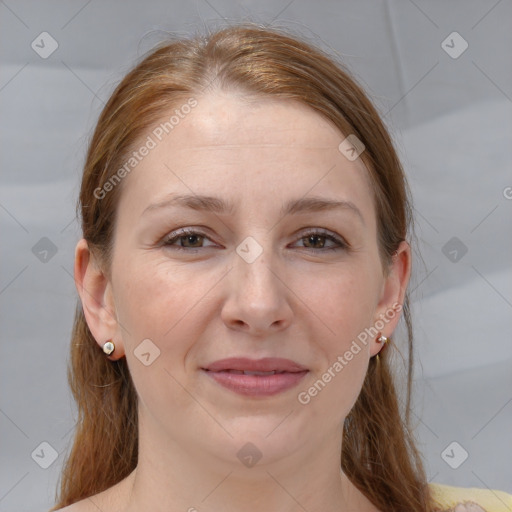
<point x="259" y="279"/>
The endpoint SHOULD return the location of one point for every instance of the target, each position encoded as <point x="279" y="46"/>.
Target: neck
<point x="182" y="479"/>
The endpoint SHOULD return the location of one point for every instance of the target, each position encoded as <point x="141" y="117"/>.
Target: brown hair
<point x="378" y="454"/>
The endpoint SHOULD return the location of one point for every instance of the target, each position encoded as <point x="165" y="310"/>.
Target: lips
<point x="265" y="366"/>
<point x="248" y="372"/>
<point x="255" y="378"/>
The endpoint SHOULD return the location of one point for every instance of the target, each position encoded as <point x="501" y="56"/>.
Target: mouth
<point x="249" y="372"/>
<point x="256" y="384"/>
<point x="264" y="366"/>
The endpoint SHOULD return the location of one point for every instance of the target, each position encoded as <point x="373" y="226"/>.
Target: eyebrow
<point x="217" y="205"/>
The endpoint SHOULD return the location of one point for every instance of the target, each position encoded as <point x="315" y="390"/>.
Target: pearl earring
<point x="382" y="339"/>
<point x="109" y="347"/>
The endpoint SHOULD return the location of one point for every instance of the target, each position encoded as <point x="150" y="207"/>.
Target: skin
<point x="297" y="300"/>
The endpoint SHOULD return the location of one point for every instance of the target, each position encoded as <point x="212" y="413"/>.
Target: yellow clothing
<point x="475" y="499"/>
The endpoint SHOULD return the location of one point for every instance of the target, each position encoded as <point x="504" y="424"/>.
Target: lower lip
<point x="257" y="385"/>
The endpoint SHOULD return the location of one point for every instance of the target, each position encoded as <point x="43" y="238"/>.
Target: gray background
<point x="451" y="120"/>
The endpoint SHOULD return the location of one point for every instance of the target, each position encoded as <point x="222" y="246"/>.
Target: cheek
<point x="152" y="302"/>
<point x="142" y="302"/>
<point x="346" y="307"/>
<point x="166" y="303"/>
<point x="153" y="308"/>
<point x="347" y="301"/>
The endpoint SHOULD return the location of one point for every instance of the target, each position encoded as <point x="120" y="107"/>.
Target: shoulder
<point x="470" y="499"/>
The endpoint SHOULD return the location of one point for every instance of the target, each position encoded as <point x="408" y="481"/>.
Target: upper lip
<point x="267" y="364"/>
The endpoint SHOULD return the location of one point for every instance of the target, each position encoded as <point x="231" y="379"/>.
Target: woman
<point x="244" y="264"/>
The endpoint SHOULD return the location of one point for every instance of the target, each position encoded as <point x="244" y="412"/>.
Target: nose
<point x="257" y="301"/>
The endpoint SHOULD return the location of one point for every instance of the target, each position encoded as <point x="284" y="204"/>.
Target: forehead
<point x="238" y="146"/>
<point x="259" y="120"/>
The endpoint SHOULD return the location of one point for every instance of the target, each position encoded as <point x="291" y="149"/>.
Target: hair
<point x="379" y="454"/>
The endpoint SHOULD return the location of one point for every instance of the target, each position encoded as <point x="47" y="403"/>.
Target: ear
<point x="393" y="293"/>
<point x="95" y="292"/>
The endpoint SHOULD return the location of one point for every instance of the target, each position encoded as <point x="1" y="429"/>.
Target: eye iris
<point x="189" y="237"/>
<point x="313" y="237"/>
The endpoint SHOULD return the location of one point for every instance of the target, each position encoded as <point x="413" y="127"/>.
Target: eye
<point x="185" y="236"/>
<point x="314" y="236"/>
<point x="191" y="239"/>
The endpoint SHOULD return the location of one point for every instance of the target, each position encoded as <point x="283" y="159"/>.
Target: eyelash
<point x="173" y="237"/>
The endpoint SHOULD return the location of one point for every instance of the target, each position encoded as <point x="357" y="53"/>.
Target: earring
<point x="384" y="340"/>
<point x="108" y="347"/>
